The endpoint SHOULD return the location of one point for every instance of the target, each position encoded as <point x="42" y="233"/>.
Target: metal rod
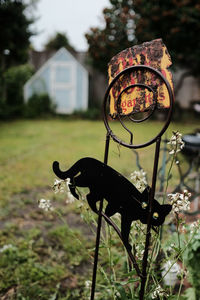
<point x="130" y="254"/>
<point x="96" y="255"/>
<point x="148" y="234"/>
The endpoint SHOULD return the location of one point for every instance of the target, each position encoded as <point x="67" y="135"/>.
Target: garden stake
<point x="157" y="140"/>
<point x="105" y="181"/>
<point x="99" y="226"/>
<point x="148" y="232"/>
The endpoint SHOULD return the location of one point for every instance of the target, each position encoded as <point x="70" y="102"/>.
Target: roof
<point x="39" y="58"/>
<point x="48" y="61"/>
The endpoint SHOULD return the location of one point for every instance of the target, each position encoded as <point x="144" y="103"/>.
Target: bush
<point x="14" y="79"/>
<point x="39" y="105"/>
<point x="193" y="260"/>
<point x="92" y="113"/>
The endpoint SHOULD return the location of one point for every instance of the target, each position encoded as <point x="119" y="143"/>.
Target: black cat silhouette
<point x="122" y="196"/>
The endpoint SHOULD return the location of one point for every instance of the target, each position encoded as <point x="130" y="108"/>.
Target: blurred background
<point x="53" y="77"/>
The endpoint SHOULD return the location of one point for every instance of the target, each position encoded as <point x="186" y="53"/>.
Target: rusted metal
<point x="151" y="80"/>
<point x="142" y="274"/>
<point x="107" y="99"/>
<point x="138" y="99"/>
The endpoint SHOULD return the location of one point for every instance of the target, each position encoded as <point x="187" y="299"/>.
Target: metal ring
<point x="171" y="98"/>
<point x="129" y="115"/>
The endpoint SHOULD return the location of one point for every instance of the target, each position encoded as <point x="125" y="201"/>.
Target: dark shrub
<point x="12" y="99"/>
<point x="39" y="106"/>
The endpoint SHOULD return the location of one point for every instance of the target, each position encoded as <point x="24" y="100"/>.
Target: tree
<point x="14" y="45"/>
<point x="129" y="22"/>
<point x="14" y="33"/>
<point x="117" y="34"/>
<point x="177" y="22"/>
<point x="58" y="41"/>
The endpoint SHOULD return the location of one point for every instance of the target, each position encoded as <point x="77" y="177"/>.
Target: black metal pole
<point x="148" y="234"/>
<point x="96" y="255"/>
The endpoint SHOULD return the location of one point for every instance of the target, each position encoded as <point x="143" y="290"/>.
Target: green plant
<point x="192" y="257"/>
<point x="92" y="113"/>
<point x="12" y="105"/>
<point x="27" y="149"/>
<point x="163" y="270"/>
<point x="39" y="105"/>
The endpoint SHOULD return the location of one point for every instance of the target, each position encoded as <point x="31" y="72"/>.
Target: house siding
<point x="64" y="79"/>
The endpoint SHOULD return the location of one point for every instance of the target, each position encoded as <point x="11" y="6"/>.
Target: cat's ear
<point x="166" y="208"/>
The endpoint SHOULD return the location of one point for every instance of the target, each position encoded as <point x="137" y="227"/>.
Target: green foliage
<point x="177" y="22"/>
<point x="132" y="22"/>
<point x="14" y="33"/>
<point x="117" y="34"/>
<point x="58" y="41"/>
<point x="14" y="44"/>
<point x="62" y="236"/>
<point x="193" y="261"/>
<point x="48" y="261"/>
<point x="39" y="105"/>
<point x="21" y="266"/>
<point x="89" y="114"/>
<point x="15" y="78"/>
<point x="190" y="294"/>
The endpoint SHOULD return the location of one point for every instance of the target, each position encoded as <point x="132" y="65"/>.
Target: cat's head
<point x="159" y="211"/>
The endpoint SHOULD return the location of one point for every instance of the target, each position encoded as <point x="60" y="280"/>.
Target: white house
<point x="64" y="79"/>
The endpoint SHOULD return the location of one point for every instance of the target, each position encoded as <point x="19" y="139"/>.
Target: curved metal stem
<point x="130" y="254"/>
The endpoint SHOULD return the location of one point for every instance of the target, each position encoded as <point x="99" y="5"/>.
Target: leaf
<point x="190" y="294"/>
<point x="122" y="293"/>
<point x="129" y="281"/>
<point x="131" y="273"/>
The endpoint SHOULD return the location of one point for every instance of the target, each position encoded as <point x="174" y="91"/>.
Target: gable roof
<point x="48" y="62"/>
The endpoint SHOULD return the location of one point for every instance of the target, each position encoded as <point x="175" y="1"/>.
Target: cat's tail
<point x="70" y="173"/>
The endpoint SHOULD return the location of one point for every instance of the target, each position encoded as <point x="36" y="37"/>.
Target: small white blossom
<point x="45" y="205"/>
<point x="70" y="198"/>
<point x="173" y="271"/>
<point x="180" y="201"/>
<point x="88" y="284"/>
<point x="140" y="251"/>
<point x="158" y="292"/>
<point x="139" y="179"/>
<point x="171" y="247"/>
<point x="61" y="186"/>
<point x="176" y="143"/>
<point x="194" y="226"/>
<point x="6" y="247"/>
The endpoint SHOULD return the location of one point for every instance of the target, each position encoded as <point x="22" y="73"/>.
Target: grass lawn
<point x="46" y="258"/>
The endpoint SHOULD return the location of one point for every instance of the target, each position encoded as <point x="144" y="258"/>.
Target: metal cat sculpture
<point x="122" y="196"/>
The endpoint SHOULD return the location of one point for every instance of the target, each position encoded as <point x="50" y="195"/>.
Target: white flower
<point x="59" y="186"/>
<point x="176" y="143"/>
<point x="173" y="270"/>
<point x="45" y="205"/>
<point x="180" y="201"/>
<point x="140" y="251"/>
<point x="158" y="292"/>
<point x="70" y="198"/>
<point x="6" y="247"/>
<point x="88" y="284"/>
<point x="139" y="179"/>
<point x="171" y="247"/>
<point x="194" y="226"/>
